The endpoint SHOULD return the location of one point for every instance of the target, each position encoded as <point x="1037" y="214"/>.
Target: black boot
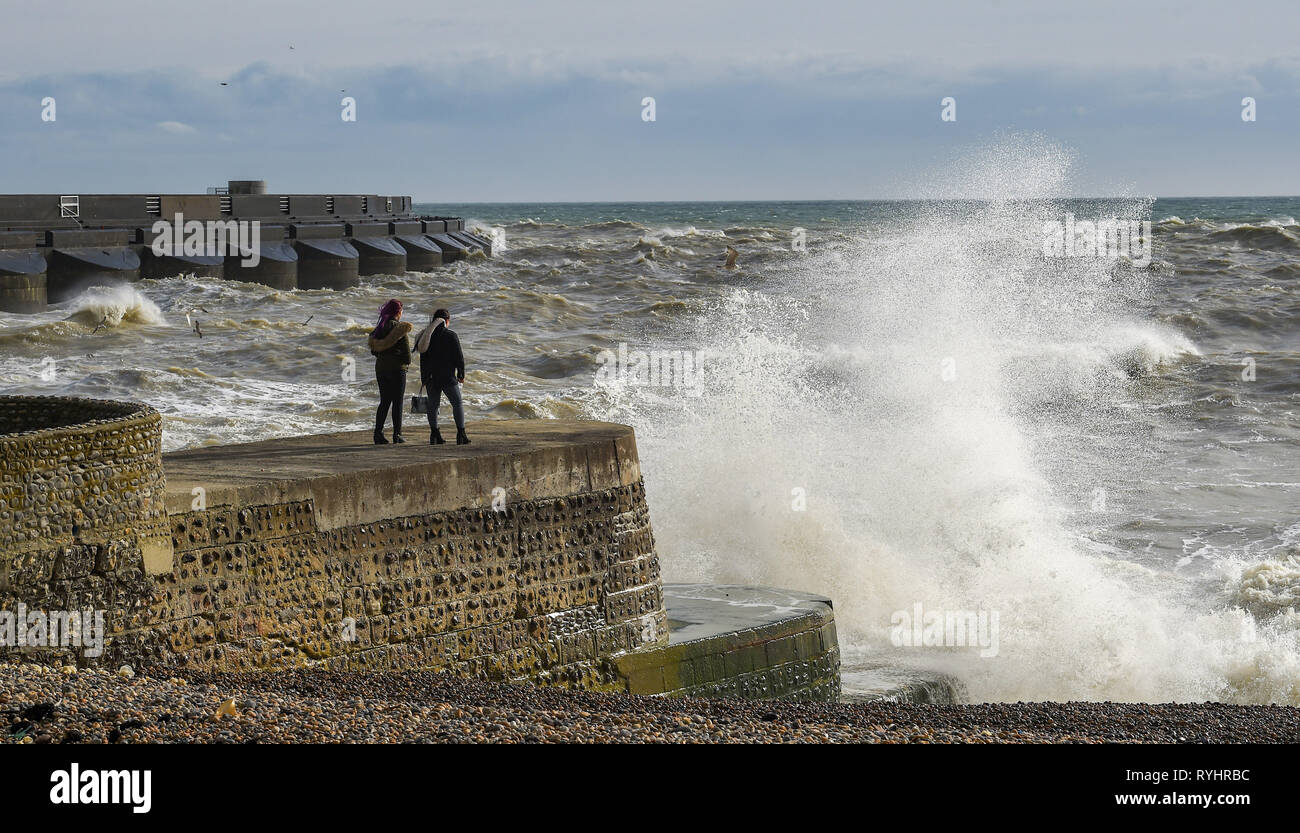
<point x="435" y="437"/>
<point x="380" y="439"/>
<point x="461" y="439"/>
<point x="398" y="438"/>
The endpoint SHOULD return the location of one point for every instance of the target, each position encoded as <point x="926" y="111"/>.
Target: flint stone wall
<point x="546" y="590"/>
<point x="82" y="511"/>
<point x="324" y="569"/>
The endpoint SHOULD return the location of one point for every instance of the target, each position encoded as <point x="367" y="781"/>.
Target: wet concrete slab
<point x="704" y="611"/>
<point x="754" y="643"/>
<point x="352" y="480"/>
<point x="869" y="681"/>
<point x="706" y="618"/>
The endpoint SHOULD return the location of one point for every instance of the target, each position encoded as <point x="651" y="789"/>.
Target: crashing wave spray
<point x="885" y="427"/>
<point x="112" y="306"/>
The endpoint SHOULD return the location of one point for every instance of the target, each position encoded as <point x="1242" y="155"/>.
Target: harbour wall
<point x="53" y="246"/>
<point x="526" y="556"/>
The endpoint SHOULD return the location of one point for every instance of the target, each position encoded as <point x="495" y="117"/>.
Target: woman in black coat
<point x="392" y="351"/>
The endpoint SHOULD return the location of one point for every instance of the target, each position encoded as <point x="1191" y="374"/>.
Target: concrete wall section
<point x="277" y="267"/>
<point x="451" y="249"/>
<point x="327" y="264"/>
<point x="755" y="643"/>
<point x="328" y="550"/>
<point x="71" y="270"/>
<point x="422" y="254"/>
<point x="526" y="556"/>
<point x="23" y="281"/>
<point x="379" y="255"/>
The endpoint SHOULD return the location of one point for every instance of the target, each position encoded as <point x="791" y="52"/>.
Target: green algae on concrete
<point x="864" y="680"/>
<point x="736" y="641"/>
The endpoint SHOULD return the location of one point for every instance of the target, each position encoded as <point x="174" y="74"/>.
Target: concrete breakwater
<point x="53" y="246"/>
<point x="527" y="556"/>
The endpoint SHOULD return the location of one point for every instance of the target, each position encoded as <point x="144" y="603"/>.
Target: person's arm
<point x="460" y="358"/>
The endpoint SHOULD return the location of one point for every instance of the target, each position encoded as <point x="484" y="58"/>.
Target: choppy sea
<point x="890" y="403"/>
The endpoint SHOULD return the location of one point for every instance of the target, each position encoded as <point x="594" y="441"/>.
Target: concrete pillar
<point x="327" y="264"/>
<point x="71" y="270"/>
<point x="277" y="264"/>
<point x="171" y="266"/>
<point x="422" y="254"/>
<point x="22" y="273"/>
<point x="22" y="282"/>
<point x="378" y="253"/>
<point x="451" y="249"/>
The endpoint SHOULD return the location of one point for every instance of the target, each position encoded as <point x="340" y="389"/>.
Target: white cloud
<point x="176" y="128"/>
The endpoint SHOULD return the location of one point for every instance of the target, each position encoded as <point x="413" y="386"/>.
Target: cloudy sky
<point x="541" y="101"/>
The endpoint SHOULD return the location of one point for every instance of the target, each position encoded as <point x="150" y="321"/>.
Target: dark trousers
<point x="452" y="390"/>
<point x="392" y="390"/>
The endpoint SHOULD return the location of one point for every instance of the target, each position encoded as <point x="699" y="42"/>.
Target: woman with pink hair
<point x="392" y="351"/>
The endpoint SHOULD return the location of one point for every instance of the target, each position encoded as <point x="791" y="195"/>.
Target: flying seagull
<point x="195" y="323"/>
<point x="100" y="324"/>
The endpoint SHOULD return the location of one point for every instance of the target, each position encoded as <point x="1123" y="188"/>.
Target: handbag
<point x="420" y="404"/>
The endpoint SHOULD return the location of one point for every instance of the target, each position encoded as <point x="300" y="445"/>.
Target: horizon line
<point x="415" y="201"/>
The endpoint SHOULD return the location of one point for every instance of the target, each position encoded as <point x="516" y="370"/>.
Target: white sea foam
<point x="496" y="234"/>
<point x="114" y="306"/>
<point x="869" y="432"/>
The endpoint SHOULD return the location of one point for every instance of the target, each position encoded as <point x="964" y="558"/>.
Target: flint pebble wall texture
<point x="315" y="564"/>
<point x="82" y="512"/>
<point x="546" y="590"/>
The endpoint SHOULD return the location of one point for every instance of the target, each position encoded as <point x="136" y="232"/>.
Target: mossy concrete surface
<point x="736" y="641"/>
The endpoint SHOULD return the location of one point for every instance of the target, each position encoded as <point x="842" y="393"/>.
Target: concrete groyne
<point x="527" y="556"/>
<point x="53" y="246"/>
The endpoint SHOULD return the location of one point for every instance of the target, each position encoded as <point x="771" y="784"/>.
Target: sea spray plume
<point x="907" y="408"/>
<point x="112" y="306"/>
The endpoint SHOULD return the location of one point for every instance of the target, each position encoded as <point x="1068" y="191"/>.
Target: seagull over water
<point x="195" y="322"/>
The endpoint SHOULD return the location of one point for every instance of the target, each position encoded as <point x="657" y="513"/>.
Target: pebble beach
<point x="41" y="705"/>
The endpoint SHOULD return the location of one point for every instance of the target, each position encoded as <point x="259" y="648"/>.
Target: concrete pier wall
<point x="755" y="643"/>
<point x="23" y="285"/>
<point x="331" y="551"/>
<point x="526" y="556"/>
<point x="328" y="550"/>
<point x="54" y="246"/>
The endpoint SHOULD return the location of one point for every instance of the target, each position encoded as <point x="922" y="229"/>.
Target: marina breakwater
<point x="53" y="246"/>
<point x="527" y="556"/>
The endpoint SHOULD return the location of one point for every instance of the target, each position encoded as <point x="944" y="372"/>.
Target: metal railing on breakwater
<point x="53" y="246"/>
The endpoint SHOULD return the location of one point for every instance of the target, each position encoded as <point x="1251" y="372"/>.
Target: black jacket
<point x="443" y="363"/>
